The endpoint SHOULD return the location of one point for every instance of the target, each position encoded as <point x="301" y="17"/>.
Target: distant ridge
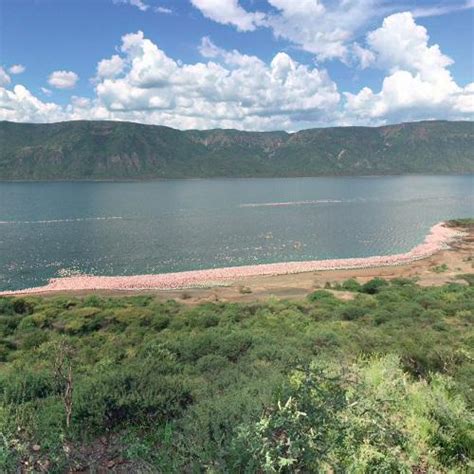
<point x="123" y="150"/>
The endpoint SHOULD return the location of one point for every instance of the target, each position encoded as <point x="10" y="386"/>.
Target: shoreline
<point x="212" y="178"/>
<point x="439" y="238"/>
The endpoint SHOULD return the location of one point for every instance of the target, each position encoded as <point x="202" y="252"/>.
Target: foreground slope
<point x="122" y="150"/>
<point x="380" y="383"/>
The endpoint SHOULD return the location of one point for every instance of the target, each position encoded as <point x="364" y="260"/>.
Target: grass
<point x="381" y="383"/>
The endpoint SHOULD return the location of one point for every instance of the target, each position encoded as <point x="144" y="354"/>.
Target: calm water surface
<point x="51" y="229"/>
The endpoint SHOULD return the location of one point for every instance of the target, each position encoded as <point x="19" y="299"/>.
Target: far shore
<point x="447" y="251"/>
<point x="152" y="179"/>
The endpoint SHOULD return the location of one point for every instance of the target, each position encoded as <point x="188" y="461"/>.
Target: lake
<point x="49" y="229"/>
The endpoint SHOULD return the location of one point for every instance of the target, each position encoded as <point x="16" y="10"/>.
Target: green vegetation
<point x="121" y="150"/>
<point x="381" y="383"/>
<point x="466" y="222"/>
<point x="440" y="268"/>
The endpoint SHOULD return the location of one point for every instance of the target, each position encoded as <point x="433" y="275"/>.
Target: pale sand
<point x="439" y="238"/>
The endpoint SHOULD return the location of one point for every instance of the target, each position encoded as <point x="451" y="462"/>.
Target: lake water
<point x="126" y="228"/>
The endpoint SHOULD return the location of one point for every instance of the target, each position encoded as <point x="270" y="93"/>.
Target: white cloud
<point x="439" y="10"/>
<point x="135" y="3"/>
<point x="326" y="28"/>
<point x="81" y="102"/>
<point x="229" y="12"/>
<point x="166" y="11"/>
<point x="208" y="49"/>
<point x="16" y="69"/>
<point x="365" y="57"/>
<point x="229" y="89"/>
<point x="233" y="90"/>
<point x="401" y="44"/>
<point x="21" y="106"/>
<point x="46" y="91"/>
<point x="419" y="84"/>
<point x="63" y="79"/>
<point x="110" y="67"/>
<point x="142" y="6"/>
<point x="4" y="77"/>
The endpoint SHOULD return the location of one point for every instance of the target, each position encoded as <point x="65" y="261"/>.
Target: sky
<point x="245" y="64"/>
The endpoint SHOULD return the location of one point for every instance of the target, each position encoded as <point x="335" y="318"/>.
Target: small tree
<point x="63" y="375"/>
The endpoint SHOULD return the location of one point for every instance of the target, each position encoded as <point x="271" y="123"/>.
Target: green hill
<point x="122" y="150"/>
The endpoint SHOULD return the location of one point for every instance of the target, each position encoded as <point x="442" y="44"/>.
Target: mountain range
<point x="122" y="150"/>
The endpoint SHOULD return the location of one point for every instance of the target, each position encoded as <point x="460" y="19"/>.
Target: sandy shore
<point x="441" y="237"/>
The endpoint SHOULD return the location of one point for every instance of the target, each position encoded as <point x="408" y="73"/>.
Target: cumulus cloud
<point x="16" y="69"/>
<point x="229" y="12"/>
<point x="21" y="105"/>
<point x="419" y="83"/>
<point x="401" y="44"/>
<point x="231" y="90"/>
<point x="324" y="30"/>
<point x="63" y="79"/>
<point x="365" y="57"/>
<point x="226" y="89"/>
<point x="110" y="67"/>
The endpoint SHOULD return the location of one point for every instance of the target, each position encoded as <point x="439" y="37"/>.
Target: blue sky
<point x="248" y="64"/>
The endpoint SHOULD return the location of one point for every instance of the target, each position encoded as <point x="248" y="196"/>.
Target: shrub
<point x="211" y="363"/>
<point x="6" y="306"/>
<point x="381" y="316"/>
<point x="352" y="312"/>
<point x="20" y="306"/>
<point x="351" y="285"/>
<point x="323" y="296"/>
<point x="147" y="390"/>
<point x="16" y="388"/>
<point x="373" y="286"/>
<point x="34" y="339"/>
<point x="368" y="417"/>
<point x="203" y="319"/>
<point x="234" y="346"/>
<point x="160" y="322"/>
<point x="439" y="268"/>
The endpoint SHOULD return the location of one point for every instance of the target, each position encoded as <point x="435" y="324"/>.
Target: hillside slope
<point x="122" y="150"/>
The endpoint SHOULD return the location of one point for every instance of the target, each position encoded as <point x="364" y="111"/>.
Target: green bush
<point x="365" y="418"/>
<point x="373" y="286"/>
<point x="6" y="306"/>
<point x="351" y="285"/>
<point x="24" y="386"/>
<point x="352" y="312"/>
<point x="321" y="295"/>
